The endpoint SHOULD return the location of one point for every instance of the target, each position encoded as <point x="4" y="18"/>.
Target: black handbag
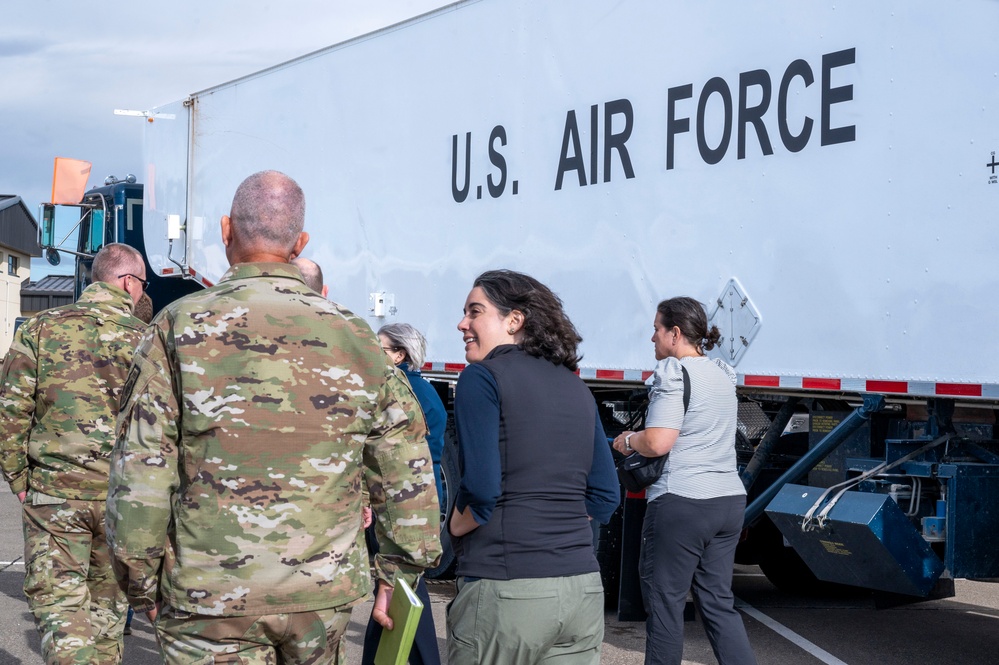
<point x="637" y="472"/>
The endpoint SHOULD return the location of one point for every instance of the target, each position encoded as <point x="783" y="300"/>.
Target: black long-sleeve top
<point x="535" y="464"/>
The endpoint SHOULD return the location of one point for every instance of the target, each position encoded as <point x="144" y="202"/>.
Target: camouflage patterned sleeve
<point x="144" y="473"/>
<point x="399" y="475"/>
<point x="17" y="407"/>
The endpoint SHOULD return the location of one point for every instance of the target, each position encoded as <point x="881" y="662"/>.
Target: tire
<point x="450" y="478"/>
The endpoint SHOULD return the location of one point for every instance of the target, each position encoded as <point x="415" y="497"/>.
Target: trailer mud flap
<point x="629" y="605"/>
<point x="866" y="541"/>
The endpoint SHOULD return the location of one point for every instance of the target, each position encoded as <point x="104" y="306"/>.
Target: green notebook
<point x="404" y="610"/>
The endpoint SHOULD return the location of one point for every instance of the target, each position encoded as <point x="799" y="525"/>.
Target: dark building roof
<point x="49" y="285"/>
<point x="48" y="292"/>
<point x="18" y="228"/>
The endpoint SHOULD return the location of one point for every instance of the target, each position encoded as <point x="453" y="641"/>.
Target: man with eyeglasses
<point x="58" y="402"/>
<point x="132" y="282"/>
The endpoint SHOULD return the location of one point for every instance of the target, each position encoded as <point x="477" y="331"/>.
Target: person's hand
<point x="462" y="522"/>
<point x="22" y="495"/>
<point x="619" y="443"/>
<point x="382" y="600"/>
<point x="366" y="516"/>
<point x="153" y="613"/>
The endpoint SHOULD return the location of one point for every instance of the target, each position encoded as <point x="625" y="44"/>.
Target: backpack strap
<point x="686" y="389"/>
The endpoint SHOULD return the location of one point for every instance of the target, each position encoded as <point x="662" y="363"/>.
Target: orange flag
<point x="69" y="181"/>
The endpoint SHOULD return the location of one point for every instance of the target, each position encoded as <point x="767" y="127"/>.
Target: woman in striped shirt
<point x="695" y="509"/>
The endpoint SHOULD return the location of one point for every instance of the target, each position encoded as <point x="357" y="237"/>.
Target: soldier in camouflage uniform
<point x="58" y="403"/>
<point x="254" y="414"/>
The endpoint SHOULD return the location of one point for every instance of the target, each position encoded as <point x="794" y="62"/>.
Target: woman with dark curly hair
<point x="695" y="510"/>
<point x="536" y="468"/>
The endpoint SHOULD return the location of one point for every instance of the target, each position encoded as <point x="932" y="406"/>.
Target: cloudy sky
<point x="66" y="65"/>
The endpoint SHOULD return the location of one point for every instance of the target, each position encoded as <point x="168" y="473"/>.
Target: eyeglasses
<point x="144" y="282"/>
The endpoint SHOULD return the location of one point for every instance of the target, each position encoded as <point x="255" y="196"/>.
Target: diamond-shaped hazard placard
<point x="738" y="321"/>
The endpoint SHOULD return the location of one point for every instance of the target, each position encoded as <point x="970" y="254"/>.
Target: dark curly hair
<point x="688" y="315"/>
<point x="548" y="332"/>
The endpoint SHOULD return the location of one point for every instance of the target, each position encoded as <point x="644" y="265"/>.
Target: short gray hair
<point x="408" y="339"/>
<point x="113" y="260"/>
<point x="268" y="210"/>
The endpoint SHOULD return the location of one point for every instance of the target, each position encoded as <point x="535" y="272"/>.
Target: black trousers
<point x="425" y="649"/>
<point x="689" y="545"/>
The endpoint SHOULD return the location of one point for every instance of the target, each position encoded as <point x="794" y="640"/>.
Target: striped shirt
<point x="702" y="463"/>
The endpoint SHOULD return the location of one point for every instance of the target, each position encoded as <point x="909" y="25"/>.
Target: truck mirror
<point x="52" y="256"/>
<point x="46" y="233"/>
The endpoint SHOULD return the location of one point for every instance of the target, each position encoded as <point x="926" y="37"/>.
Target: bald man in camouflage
<point x="58" y="402"/>
<point x="254" y="414"/>
<point x="312" y="274"/>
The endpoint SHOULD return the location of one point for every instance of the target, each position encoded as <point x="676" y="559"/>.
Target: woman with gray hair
<point x="404" y="344"/>
<point x="407" y="348"/>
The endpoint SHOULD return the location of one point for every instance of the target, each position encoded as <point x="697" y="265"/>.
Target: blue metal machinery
<point x="952" y="494"/>
<point x="897" y="524"/>
<point x="872" y="404"/>
<point x="866" y="541"/>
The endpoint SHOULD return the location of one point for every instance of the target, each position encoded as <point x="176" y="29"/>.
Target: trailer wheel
<point x="450" y="478"/>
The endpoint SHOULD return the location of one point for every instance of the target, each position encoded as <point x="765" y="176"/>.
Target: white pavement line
<point x="789" y="634"/>
<point x="11" y="563"/>
<point x="982" y="614"/>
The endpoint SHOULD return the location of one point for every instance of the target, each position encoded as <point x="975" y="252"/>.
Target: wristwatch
<point x="627" y="442"/>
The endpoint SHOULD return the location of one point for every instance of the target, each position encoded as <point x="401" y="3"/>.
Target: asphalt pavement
<point x="19" y="643"/>
<point x="783" y="628"/>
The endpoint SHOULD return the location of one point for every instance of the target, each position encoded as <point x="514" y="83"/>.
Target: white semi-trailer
<point x="823" y="176"/>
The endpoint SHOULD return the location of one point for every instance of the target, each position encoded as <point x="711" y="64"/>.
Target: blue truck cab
<point x="111" y="213"/>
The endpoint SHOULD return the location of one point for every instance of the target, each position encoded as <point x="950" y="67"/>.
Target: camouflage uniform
<point x="255" y="413"/>
<point x="61" y="384"/>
